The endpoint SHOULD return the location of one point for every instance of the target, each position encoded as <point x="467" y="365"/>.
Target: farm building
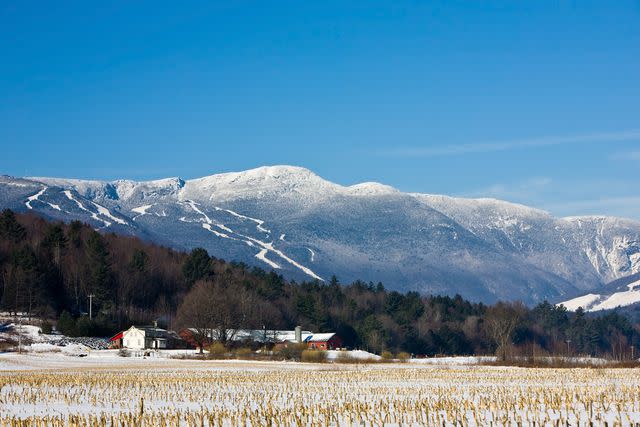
<point x="116" y="340"/>
<point x="277" y="338"/>
<point x="264" y="336"/>
<point x="328" y="341"/>
<point x="313" y="341"/>
<point x="148" y="337"/>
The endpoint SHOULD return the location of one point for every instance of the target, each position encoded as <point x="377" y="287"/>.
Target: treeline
<point x="49" y="270"/>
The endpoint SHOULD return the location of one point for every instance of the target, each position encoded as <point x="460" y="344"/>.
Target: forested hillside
<point x="49" y="270"/>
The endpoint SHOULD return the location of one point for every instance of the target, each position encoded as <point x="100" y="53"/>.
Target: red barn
<point x="116" y="340"/>
<point x="329" y="341"/>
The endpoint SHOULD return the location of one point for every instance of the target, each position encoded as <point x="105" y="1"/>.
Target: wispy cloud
<point x="528" y="189"/>
<point x="626" y="155"/>
<point x="569" y="198"/>
<point x="484" y="147"/>
<point x="624" y="207"/>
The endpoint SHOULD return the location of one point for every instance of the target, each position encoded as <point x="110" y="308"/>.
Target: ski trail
<point x="105" y="212"/>
<point x="208" y="221"/>
<point x="34" y="197"/>
<point x="196" y="209"/>
<point x="217" y="233"/>
<point x="225" y="228"/>
<point x="141" y="210"/>
<point x="54" y="206"/>
<point x="226" y="236"/>
<point x="81" y="206"/>
<point x="262" y="256"/>
<point x="313" y="254"/>
<point x="265" y="247"/>
<point x="269" y="247"/>
<point x="259" y="222"/>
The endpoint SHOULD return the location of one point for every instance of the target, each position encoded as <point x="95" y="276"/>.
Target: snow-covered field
<point x="104" y="389"/>
<point x="55" y="384"/>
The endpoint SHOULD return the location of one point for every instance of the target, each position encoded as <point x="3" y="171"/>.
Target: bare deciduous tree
<point x="502" y="320"/>
<point x="215" y="309"/>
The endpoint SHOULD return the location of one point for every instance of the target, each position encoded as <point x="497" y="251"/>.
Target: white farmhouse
<point x="141" y="338"/>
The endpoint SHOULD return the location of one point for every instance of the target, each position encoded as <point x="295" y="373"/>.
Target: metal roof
<point x="320" y="337"/>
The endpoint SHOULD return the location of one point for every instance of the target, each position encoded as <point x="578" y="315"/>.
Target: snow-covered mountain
<point x="289" y="219"/>
<point x="619" y="293"/>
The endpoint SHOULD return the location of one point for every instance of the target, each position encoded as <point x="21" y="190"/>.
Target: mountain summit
<point x="291" y="220"/>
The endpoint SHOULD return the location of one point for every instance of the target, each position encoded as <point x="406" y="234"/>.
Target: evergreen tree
<point x="591" y="339"/>
<point x="10" y="228"/>
<point x="66" y="324"/>
<point x="25" y="279"/>
<point x="372" y="333"/>
<point x="56" y="242"/>
<point x="273" y="286"/>
<point x="99" y="273"/>
<point x="139" y="260"/>
<point x="75" y="233"/>
<point x="197" y="266"/>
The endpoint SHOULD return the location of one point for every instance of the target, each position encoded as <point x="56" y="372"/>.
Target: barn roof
<point x="273" y="336"/>
<point x="117" y="336"/>
<point x="320" y="337"/>
<point x="260" y="335"/>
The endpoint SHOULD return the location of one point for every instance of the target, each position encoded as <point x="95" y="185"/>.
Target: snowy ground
<point x="28" y="333"/>
<point x="104" y="388"/>
<point x="354" y="354"/>
<point x="44" y="356"/>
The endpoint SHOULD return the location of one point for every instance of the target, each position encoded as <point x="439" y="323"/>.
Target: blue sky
<point x="535" y="102"/>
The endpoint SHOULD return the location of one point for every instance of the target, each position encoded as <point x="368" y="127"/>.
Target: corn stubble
<point x="321" y="395"/>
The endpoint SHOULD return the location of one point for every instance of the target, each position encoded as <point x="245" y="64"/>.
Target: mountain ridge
<point x="292" y="220"/>
<point x="57" y="181"/>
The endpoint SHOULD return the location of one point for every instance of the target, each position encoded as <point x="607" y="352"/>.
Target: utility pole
<point x="91" y="306"/>
<point x="568" y="342"/>
<point x="632" y="350"/>
<point x="20" y="335"/>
